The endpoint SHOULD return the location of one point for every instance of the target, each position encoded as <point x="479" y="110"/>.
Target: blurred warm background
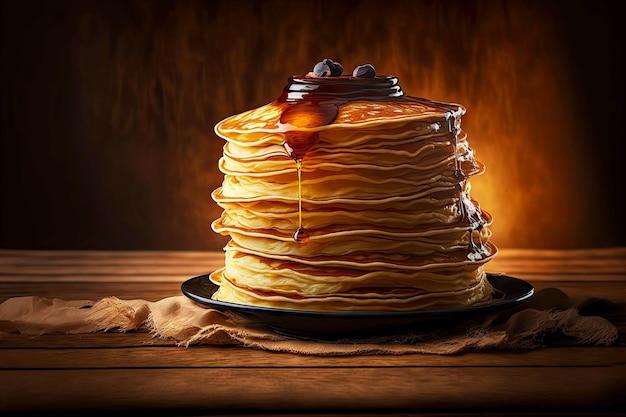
<point x="108" y="108"/>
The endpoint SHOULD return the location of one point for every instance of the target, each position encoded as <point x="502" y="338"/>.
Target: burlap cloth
<point x="549" y="317"/>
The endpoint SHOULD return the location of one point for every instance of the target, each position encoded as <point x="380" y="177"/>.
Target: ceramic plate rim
<point x="494" y="279"/>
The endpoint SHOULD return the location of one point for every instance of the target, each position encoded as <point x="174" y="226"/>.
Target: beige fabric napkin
<point x="549" y="317"/>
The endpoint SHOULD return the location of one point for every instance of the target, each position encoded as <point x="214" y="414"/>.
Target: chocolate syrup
<point x="476" y="221"/>
<point x="474" y="216"/>
<point x="452" y="128"/>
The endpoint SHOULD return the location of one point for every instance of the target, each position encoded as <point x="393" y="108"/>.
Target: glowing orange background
<point x="108" y="108"/>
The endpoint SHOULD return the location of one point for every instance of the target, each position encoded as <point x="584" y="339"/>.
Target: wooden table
<point x="133" y="371"/>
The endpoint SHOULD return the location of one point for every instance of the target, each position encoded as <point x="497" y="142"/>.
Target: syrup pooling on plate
<point x="347" y="194"/>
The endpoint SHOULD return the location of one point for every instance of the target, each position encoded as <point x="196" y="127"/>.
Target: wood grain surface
<point x="135" y="372"/>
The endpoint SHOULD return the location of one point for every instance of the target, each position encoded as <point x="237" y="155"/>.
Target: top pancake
<point x="353" y="113"/>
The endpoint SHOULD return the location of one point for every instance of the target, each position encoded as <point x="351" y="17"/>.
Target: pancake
<point x="345" y="194"/>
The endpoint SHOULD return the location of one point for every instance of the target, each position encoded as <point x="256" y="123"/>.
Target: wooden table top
<point x="133" y="371"/>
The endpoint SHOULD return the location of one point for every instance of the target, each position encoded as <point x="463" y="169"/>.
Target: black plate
<point x="335" y="325"/>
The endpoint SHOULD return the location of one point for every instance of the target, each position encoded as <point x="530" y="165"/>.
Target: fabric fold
<point x="549" y="317"/>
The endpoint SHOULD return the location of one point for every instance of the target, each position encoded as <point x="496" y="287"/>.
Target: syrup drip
<point x="474" y="217"/>
<point x="301" y="235"/>
<point x="458" y="170"/>
<point x="476" y="224"/>
<point x="457" y="167"/>
<point x="472" y="245"/>
<point x="462" y="208"/>
<point x="296" y="148"/>
<point x="314" y="102"/>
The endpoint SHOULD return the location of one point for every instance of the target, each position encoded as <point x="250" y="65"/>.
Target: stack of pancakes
<point x="382" y="198"/>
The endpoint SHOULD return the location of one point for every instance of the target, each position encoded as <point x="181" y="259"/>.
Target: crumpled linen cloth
<point x="549" y="317"/>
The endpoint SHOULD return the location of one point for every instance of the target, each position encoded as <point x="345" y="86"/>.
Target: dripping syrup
<point x="475" y="219"/>
<point x="315" y="102"/>
<point x="458" y="173"/>
<point x="476" y="224"/>
<point x="296" y="150"/>
<point x="452" y="128"/>
<point x="300" y="235"/>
